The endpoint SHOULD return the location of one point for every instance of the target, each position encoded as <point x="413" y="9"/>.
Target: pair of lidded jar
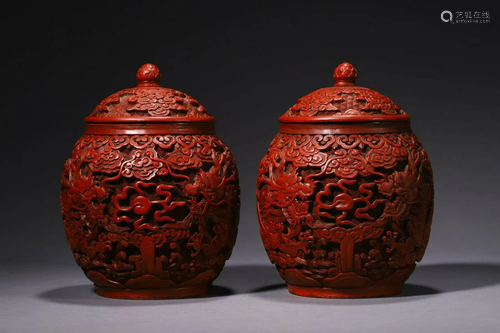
<point x="150" y="198"/>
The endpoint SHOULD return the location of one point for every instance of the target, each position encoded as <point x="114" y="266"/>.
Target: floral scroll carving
<point x="345" y="211"/>
<point x="150" y="211"/>
<point x="352" y="100"/>
<point x="149" y="102"/>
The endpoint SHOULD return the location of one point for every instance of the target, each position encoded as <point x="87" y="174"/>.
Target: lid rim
<point x="346" y="128"/>
<point x="145" y="120"/>
<point x="152" y="129"/>
<point x="345" y="119"/>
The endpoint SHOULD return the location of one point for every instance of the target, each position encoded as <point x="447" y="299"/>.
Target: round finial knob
<point x="345" y="75"/>
<point x="148" y="75"/>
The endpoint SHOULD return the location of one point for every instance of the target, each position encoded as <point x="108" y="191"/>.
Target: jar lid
<point x="148" y="102"/>
<point x="344" y="102"/>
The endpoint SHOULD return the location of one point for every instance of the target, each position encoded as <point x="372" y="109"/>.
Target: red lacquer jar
<point x="345" y="193"/>
<point x="150" y="197"/>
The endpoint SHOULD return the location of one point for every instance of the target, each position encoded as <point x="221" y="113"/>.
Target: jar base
<point x="373" y="291"/>
<point x="149" y="294"/>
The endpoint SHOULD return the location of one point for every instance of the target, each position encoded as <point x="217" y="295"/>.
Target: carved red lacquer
<point x="345" y="193"/>
<point x="150" y="197"/>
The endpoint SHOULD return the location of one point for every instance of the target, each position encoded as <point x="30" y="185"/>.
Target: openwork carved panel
<point x="150" y="211"/>
<point x="345" y="211"/>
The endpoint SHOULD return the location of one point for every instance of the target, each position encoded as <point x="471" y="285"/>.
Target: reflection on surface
<point x="426" y="281"/>
<point x="86" y="295"/>
<point x="263" y="281"/>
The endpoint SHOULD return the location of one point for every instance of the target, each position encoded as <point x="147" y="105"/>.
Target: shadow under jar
<point x="345" y="193"/>
<point x="150" y="198"/>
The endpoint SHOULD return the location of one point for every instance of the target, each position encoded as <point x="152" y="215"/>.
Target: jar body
<point x="345" y="215"/>
<point x="150" y="216"/>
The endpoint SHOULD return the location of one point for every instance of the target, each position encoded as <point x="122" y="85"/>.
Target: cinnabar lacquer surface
<point x="150" y="197"/>
<point x="345" y="194"/>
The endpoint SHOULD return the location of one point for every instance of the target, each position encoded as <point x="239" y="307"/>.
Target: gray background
<point x="247" y="63"/>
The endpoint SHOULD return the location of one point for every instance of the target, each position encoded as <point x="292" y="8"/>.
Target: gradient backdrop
<point x="247" y="63"/>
